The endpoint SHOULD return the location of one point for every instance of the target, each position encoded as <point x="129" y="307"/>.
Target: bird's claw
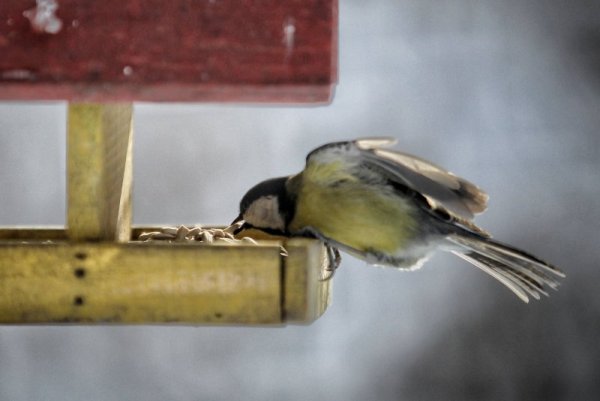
<point x="333" y="262"/>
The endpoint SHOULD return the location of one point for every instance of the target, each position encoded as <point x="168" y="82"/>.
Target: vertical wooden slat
<point x="306" y="294"/>
<point x="99" y="171"/>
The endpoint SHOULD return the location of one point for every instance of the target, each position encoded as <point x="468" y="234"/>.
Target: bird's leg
<point x="337" y="258"/>
<point x="333" y="261"/>
<point x="333" y="254"/>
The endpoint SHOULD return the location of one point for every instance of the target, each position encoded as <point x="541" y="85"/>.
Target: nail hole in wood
<point x="78" y="300"/>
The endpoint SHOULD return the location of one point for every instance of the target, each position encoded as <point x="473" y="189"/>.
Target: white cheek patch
<point x="264" y="213"/>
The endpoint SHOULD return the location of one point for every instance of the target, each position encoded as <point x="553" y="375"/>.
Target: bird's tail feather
<point x="523" y="273"/>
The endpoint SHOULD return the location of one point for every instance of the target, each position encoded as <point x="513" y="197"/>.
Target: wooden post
<point x="99" y="169"/>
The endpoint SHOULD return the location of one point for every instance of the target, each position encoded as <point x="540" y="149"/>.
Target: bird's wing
<point x="442" y="189"/>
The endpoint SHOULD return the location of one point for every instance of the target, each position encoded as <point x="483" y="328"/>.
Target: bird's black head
<point x="268" y="206"/>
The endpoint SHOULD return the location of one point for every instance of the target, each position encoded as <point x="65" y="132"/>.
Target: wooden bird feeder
<point x="101" y="56"/>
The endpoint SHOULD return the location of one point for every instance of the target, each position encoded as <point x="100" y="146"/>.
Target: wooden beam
<point x="178" y="50"/>
<point x="184" y="283"/>
<point x="35" y="234"/>
<point x="306" y="295"/>
<point x="99" y="169"/>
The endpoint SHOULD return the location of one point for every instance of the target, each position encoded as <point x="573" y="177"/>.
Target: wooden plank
<point x="36" y="234"/>
<point x="139" y="283"/>
<point x="155" y="282"/>
<point x="54" y="233"/>
<point x="307" y="295"/>
<point x="179" y="50"/>
<point x="99" y="169"/>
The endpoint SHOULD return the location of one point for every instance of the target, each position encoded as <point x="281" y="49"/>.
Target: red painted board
<point x="169" y="50"/>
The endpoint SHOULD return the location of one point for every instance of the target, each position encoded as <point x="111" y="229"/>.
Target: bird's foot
<point x="333" y="262"/>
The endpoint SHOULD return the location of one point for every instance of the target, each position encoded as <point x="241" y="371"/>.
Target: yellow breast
<point x="355" y="214"/>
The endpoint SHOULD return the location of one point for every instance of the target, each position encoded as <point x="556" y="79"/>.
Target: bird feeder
<point x="101" y="56"/>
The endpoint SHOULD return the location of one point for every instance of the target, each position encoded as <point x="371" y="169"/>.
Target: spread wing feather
<point x="442" y="188"/>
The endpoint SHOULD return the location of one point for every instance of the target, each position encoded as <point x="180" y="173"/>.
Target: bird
<point x="389" y="208"/>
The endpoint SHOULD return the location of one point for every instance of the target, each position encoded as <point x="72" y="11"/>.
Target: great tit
<point x="392" y="209"/>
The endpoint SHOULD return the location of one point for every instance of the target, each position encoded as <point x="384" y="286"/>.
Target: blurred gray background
<point x="505" y="93"/>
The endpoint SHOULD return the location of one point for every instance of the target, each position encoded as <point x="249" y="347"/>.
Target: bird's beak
<point x="240" y="223"/>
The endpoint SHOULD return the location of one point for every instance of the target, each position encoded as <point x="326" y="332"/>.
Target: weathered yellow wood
<point x="307" y="291"/>
<point x="99" y="171"/>
<point x="22" y="234"/>
<point x="140" y="283"/>
<point x="306" y="294"/>
<point x="159" y="282"/>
